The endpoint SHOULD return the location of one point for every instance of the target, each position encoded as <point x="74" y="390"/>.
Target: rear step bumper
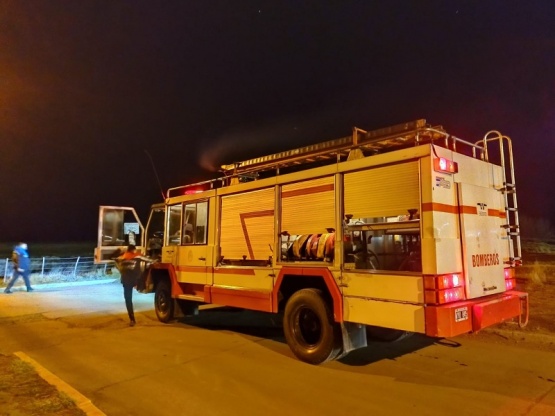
<point x="473" y="315"/>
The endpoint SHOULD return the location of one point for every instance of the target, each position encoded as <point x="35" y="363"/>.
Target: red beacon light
<point x="193" y="190"/>
<point x="444" y="165"/>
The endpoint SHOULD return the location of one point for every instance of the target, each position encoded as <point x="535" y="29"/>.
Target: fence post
<point x="42" y="269"/>
<point x="76" y="263"/>
<point x="6" y="271"/>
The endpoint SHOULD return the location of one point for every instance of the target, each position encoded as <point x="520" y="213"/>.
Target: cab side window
<point x="174" y="225"/>
<point x="195" y="223"/>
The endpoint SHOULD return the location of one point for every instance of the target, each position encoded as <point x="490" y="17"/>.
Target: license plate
<point x="461" y="314"/>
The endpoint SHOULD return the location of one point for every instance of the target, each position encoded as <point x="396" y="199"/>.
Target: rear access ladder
<point x="508" y="190"/>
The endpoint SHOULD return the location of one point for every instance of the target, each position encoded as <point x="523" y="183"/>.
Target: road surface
<point x="226" y="362"/>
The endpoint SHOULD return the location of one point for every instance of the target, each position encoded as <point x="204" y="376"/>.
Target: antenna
<point x="156" y="174"/>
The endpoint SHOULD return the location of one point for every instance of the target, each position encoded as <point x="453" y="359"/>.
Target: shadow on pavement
<point x="245" y="322"/>
<point x="269" y="326"/>
<point x="377" y="351"/>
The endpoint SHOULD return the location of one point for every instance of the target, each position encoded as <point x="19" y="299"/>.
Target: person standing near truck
<point x="130" y="267"/>
<point x="21" y="267"/>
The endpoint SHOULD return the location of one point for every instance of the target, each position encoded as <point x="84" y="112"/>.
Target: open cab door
<point x="117" y="228"/>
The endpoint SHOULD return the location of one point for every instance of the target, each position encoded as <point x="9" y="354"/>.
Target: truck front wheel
<point x="163" y="302"/>
<point x="309" y="328"/>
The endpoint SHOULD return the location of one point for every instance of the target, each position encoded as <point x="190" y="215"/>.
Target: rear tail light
<point x="444" y="288"/>
<point x="510" y="279"/>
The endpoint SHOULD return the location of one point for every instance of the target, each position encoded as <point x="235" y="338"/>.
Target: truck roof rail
<point x="359" y="144"/>
<point x="412" y="133"/>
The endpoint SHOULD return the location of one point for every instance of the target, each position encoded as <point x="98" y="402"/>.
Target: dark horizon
<point x="91" y="90"/>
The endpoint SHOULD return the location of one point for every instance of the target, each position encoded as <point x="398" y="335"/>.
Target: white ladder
<point x="508" y="190"/>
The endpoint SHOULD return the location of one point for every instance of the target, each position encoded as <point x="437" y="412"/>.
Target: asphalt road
<point x="226" y="362"/>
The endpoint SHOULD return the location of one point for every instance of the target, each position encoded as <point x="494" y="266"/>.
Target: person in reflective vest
<point x="130" y="267"/>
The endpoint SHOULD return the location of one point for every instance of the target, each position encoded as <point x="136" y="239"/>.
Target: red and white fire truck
<point x="404" y="229"/>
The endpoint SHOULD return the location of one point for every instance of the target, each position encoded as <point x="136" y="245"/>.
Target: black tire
<point x="378" y="333"/>
<point x="163" y="302"/>
<point x="309" y="328"/>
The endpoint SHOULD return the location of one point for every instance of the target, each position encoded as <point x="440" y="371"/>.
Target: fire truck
<point x="383" y="233"/>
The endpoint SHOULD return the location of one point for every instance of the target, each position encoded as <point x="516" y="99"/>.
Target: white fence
<point x="44" y="266"/>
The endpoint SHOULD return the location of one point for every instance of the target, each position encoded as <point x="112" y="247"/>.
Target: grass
<point x="541" y="273"/>
<point x="24" y="392"/>
<point x="56" y="277"/>
<point x="538" y="263"/>
<point x="66" y="277"/>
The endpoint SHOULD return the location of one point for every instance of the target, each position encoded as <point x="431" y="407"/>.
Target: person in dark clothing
<point x="130" y="267"/>
<point x="154" y="249"/>
<point x="21" y="267"/>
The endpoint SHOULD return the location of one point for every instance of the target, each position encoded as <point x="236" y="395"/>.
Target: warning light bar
<point x="445" y="165"/>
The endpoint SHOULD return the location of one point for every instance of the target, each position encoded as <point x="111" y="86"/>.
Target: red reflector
<point x="444" y="296"/>
<point x="451" y="295"/>
<point x="445" y="165"/>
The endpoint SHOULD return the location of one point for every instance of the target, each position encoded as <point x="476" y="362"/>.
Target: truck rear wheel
<point x="163" y="302"/>
<point x="309" y="328"/>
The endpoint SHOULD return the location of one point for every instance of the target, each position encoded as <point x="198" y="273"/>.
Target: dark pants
<point x="16" y="275"/>
<point x="128" y="296"/>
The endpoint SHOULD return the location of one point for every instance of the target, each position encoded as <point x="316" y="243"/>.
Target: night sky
<point x="90" y="89"/>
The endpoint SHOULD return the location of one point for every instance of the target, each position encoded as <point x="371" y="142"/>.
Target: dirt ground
<point x="24" y="392"/>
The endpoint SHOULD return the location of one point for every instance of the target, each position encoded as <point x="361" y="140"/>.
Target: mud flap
<point x="354" y="337"/>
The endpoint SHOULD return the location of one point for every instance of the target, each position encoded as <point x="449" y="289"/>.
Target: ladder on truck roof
<point x="382" y="140"/>
<point x="395" y="137"/>
<point x="374" y="141"/>
<point x="508" y="190"/>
